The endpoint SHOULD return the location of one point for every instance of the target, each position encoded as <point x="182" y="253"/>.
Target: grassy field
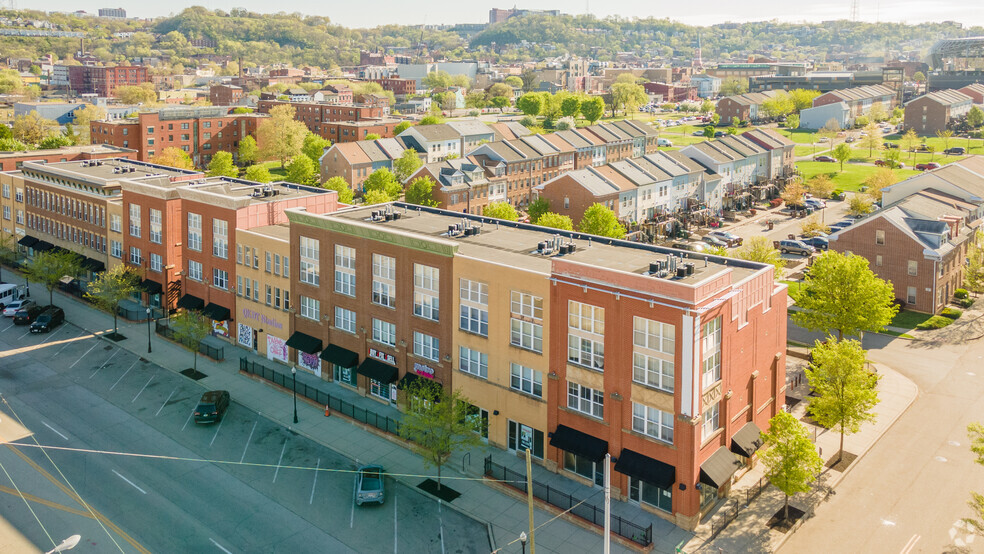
<point x="809" y="150"/>
<point x="851" y="178"/>
<point x="276" y="172"/>
<point x="801" y="137"/>
<point x="908" y="320"/>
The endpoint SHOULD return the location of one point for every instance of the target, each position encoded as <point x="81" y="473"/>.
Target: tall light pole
<point x="148" y="331"/>
<point x="522" y="540"/>
<point x="293" y="372"/>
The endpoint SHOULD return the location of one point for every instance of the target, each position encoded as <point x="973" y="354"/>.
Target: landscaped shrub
<point x="960" y="294"/>
<point x="775" y="202"/>
<point x="966" y="303"/>
<point x="951" y="313"/>
<point x="935" y="322"/>
<point x="836" y="194"/>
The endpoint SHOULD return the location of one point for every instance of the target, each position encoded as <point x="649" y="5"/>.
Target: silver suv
<point x="795" y="247"/>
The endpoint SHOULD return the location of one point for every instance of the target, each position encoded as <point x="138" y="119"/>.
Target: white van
<point x="10" y="292"/>
<point x="663" y="142"/>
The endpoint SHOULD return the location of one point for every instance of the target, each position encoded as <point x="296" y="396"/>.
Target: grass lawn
<point x="909" y="158"/>
<point x="809" y="150"/>
<point x="275" y="170"/>
<point x="973" y="146"/>
<point x="682" y="140"/>
<point x="908" y="320"/>
<point x="801" y="137"/>
<point x="853" y="176"/>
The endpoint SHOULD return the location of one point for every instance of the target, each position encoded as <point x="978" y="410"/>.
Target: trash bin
<point x="771" y="225"/>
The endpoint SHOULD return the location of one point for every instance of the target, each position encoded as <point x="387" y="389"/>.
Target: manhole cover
<point x="192" y="374"/>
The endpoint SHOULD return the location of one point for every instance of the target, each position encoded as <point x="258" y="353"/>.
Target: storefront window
<point x="522" y="437"/>
<point x="658" y="497"/>
<point x="582" y="466"/>
<point x="345" y="375"/>
<point x="708" y="494"/>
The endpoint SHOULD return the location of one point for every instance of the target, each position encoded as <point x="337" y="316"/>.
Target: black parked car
<point x="212" y="406"/>
<point x="28" y="315"/>
<point x="819" y="243"/>
<point x="48" y="320"/>
<point x="955" y="151"/>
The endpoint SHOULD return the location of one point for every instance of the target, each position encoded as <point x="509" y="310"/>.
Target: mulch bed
<point x="115" y="337"/>
<point x="843" y="464"/>
<point x="792" y="401"/>
<point x="444" y="493"/>
<point x="777" y="522"/>
<point x="193" y="374"/>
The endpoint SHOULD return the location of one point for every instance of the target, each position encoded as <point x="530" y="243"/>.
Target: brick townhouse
<point x="860" y="99"/>
<point x="226" y="95"/>
<point x="523" y="321"/>
<point x="343" y="122"/>
<point x="745" y="107"/>
<point x="355" y="161"/>
<point x="937" y="111"/>
<point x="103" y="81"/>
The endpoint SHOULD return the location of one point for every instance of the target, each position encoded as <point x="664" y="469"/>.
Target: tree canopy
<point x="501" y="210"/>
<point x="760" y="249"/>
<point x="555" y="221"/>
<point x="790" y="459"/>
<point x="113" y="286"/>
<point x="301" y="170"/>
<point x="383" y="181"/>
<point x="344" y="190"/>
<point x="172" y="156"/>
<point x="258" y="173"/>
<point x="408" y="162"/>
<point x="420" y="191"/>
<point x="221" y="166"/>
<point x="314" y="146"/>
<point x="280" y="136"/>
<point x="48" y="268"/>
<point x="602" y="221"/>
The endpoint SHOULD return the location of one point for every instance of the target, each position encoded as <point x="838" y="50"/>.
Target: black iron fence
<point x="214" y="352"/>
<point x="336" y="404"/>
<point x="565" y="501"/>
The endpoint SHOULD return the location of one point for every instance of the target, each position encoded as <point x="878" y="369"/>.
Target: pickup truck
<point x="369" y="485"/>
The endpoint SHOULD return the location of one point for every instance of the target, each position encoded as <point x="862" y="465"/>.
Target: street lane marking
<point x="68" y="342"/>
<point x="440" y="519"/>
<point x="117" y="351"/>
<point x="394" y="521"/>
<point x="165" y="402"/>
<point x="83" y="355"/>
<point x="352" y="515"/>
<point x="219" y="546"/>
<point x="317" y="469"/>
<point x="247" y="441"/>
<point x="132" y="484"/>
<point x="279" y="461"/>
<point x="124" y="374"/>
<point x="217" y="429"/>
<point x="145" y="386"/>
<point x="910" y="545"/>
<point x="54" y="430"/>
<point x="51" y="334"/>
<point x="45" y="502"/>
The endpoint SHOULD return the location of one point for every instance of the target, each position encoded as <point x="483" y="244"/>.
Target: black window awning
<point x="747" y="440"/>
<point x="43" y="246"/>
<point x="719" y="468"/>
<point x="304" y="342"/>
<point x="410" y="378"/>
<point x="190" y="302"/>
<point x="93" y="265"/>
<point x="28" y="241"/>
<point x="577" y="442"/>
<point x="340" y="356"/>
<point x="646" y="469"/>
<point x="151" y="287"/>
<point x="377" y="371"/>
<point x="217" y="312"/>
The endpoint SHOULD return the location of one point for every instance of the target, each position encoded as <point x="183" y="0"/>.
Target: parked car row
<point x="51" y="317"/>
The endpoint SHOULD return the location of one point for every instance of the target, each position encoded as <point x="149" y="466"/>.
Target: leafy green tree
<point x="555" y="221"/>
<point x="843" y="390"/>
<point x="136" y="94"/>
<point x="893" y="158"/>
<point x="500" y="102"/>
<point x="513" y="81"/>
<point x="537" y="208"/>
<point x="974" y="272"/>
<point x="248" y="152"/>
<point x="628" y="97"/>
<point x="709" y="131"/>
<point x="112" y="287"/>
<point x="842" y="153"/>
<point x="841" y="293"/>
<point x="792" y="121"/>
<point x="384" y="181"/>
<point x="779" y="105"/>
<point x="13" y="145"/>
<point x="803" y="98"/>
<point x="530" y="104"/>
<point x="975" y="117"/>
<point x="8" y="252"/>
<point x="372" y="197"/>
<point x="402" y="126"/>
<point x="877" y="112"/>
<point x="860" y="204"/>
<point x="976" y="503"/>
<point x="281" y="135"/>
<point x="437" y="79"/>
<point x="909" y="141"/>
<point x="190" y="329"/>
<point x="10" y="82"/>
<point x="760" y="249"/>
<point x="31" y="128"/>
<point x="501" y="210"/>
<point x="503" y="90"/>
<point x="793" y="195"/>
<point x="314" y="146"/>
<point x="221" y="165"/>
<point x="83" y="119"/>
<point x="405" y="166"/>
<point x="420" y="191"/>
<point x="706" y="107"/>
<point x="48" y="268"/>
<point x="258" y="173"/>
<point x="530" y="80"/>
<point x="732" y="131"/>
<point x="813" y="227"/>
<point x="790" y="459"/>
<point x="872" y="139"/>
<point x="242" y="110"/>
<point x="172" y="156"/>
<point x="820" y="186"/>
<point x="602" y="221"/>
<point x="344" y="190"/>
<point x="301" y="170"/>
<point x="437" y="422"/>
<point x="734" y="86"/>
<point x="943" y="134"/>
<point x="430" y="120"/>
<point x="55" y="141"/>
<point x="593" y="108"/>
<point x="570" y="106"/>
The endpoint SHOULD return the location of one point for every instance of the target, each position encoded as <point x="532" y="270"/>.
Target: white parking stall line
<point x="247" y="441"/>
<point x="217" y="429"/>
<point x="910" y="545"/>
<point x="83" y="355"/>
<point x="395" y="518"/>
<point x="51" y="335"/>
<point x="314" y="485"/>
<point x="117" y="351"/>
<point x="282" y="450"/>
<point x="191" y="413"/>
<point x="68" y="342"/>
<point x="144" y="387"/>
<point x="24" y="336"/>
<point x="54" y="430"/>
<point x="132" y="484"/>
<point x="166" y="401"/>
<point x="219" y="546"/>
<point x="124" y="374"/>
<point x="440" y="519"/>
<point x="352" y="515"/>
<point x="7" y="328"/>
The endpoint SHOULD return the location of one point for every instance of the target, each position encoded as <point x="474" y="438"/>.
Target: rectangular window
<point x="276" y="264"/>
<point x="220" y="238"/>
<point x="474" y="316"/>
<point x="652" y="422"/>
<point x="248" y="290"/>
<point x="269" y="262"/>
<point x="116" y="249"/>
<point x="526" y="330"/>
<point x="276" y="298"/>
<point x="156" y="262"/>
<point x="879" y="236"/>
<point x="239" y="253"/>
<point x="269" y="295"/>
<point x="310" y="308"/>
<point x="136" y="257"/>
<point x="586" y="334"/>
<point x="239" y="284"/>
<point x="344" y="270"/>
<point x="220" y="278"/>
<point x="156" y="224"/>
<point x="652" y="357"/>
<point x="711" y="421"/>
<point x="585" y="400"/>
<point x="194" y="270"/>
<point x="878" y="260"/>
<point x="383" y="332"/>
<point x="383" y="280"/>
<point x="523" y="437"/>
<point x="526" y="380"/>
<point x="711" y="352"/>
<point x="195" y="232"/>
<point x="256" y="290"/>
<point x="913" y="268"/>
<point x="345" y="319"/>
<point x="910" y="295"/>
<point x="286" y="272"/>
<point x="426" y="346"/>
<point x="473" y="362"/>
<point x="135" y="220"/>
<point x="426" y="281"/>
<point x="310" y="251"/>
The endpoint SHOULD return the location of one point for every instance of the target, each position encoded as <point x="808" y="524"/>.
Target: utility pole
<point x="608" y="503"/>
<point x="529" y="499"/>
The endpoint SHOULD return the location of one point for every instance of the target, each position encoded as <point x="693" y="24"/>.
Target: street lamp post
<point x="522" y="540"/>
<point x="293" y="372"/>
<point x="148" y="331"/>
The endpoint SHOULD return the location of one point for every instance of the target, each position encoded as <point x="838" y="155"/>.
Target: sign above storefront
<point x="382" y="356"/>
<point x="269" y="322"/>
<point x="423" y="370"/>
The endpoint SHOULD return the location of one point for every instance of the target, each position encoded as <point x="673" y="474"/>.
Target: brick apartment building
<point x="859" y="100"/>
<point x="528" y="328"/>
<point x="201" y="132"/>
<point x="225" y="95"/>
<point x="103" y="81"/>
<point x="975" y="91"/>
<point x="672" y="92"/>
<point x="10" y="161"/>
<point x="339" y="122"/>
<point x="937" y="111"/>
<point x="355" y="161"/>
<point x="743" y="106"/>
<point x="399" y="87"/>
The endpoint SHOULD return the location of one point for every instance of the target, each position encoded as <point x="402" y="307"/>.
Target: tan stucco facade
<point x="262" y="319"/>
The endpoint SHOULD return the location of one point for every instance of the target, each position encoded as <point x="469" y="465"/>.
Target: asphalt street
<point x="129" y="470"/>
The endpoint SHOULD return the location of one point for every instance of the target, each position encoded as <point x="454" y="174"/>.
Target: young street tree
<point x="8" y="252"/>
<point x="222" y="166"/>
<point x="790" y="459"/>
<point x="314" y="146"/>
<point x="556" y="221"/>
<point x="909" y="141"/>
<point x="501" y="210"/>
<point x="842" y="294"/>
<point x="944" y="135"/>
<point x="281" y="135"/>
<point x="844" y="388"/>
<point x="48" y="268"/>
<point x="794" y="194"/>
<point x="258" y="173"/>
<point x="248" y="151"/>
<point x="437" y="421"/>
<point x="872" y="139"/>
<point x="384" y="181"/>
<point x="860" y="204"/>
<point x="820" y="185"/>
<point x="842" y="153"/>
<point x="301" y="170"/>
<point x="976" y="503"/>
<point x="173" y="156"/>
<point x="760" y="249"/>
<point x="420" y="191"/>
<point x="537" y="208"/>
<point x="593" y="108"/>
<point x="190" y="328"/>
<point x="111" y="287"/>
<point x="344" y="190"/>
<point x="602" y="221"/>
<point x="530" y="104"/>
<point x="408" y="162"/>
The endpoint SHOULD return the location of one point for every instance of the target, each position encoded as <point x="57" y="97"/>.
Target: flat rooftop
<point x="280" y="231"/>
<point x="67" y="151"/>
<point x="110" y="169"/>
<point x="258" y="192"/>
<point x="516" y="244"/>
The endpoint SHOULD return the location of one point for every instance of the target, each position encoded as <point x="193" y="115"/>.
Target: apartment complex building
<point x="226" y="95"/>
<point x="10" y="161"/>
<point x="201" y="132"/>
<point x="937" y="111"/>
<point x="523" y="321"/>
<point x="339" y="122"/>
<point x="99" y="80"/>
<point x="745" y="107"/>
<point x="355" y="161"/>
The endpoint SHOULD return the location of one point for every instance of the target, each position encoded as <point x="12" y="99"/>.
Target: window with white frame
<point x="711" y="420"/>
<point x="194" y="270"/>
<point x="156" y="262"/>
<point x="526" y="329"/>
<point x="585" y="400"/>
<point x="135" y="220"/>
<point x="526" y="380"/>
<point x="194" y="232"/>
<point x="652" y="422"/>
<point x="910" y="295"/>
<point x="383" y="280"/>
<point x="220" y="238"/>
<point x="310" y="308"/>
<point x="879" y="236"/>
<point x="474" y="362"/>
<point x="426" y="346"/>
<point x="136" y="257"/>
<point x="220" y="278"/>
<point x="116" y="249"/>
<point x="116" y="223"/>
<point x="156" y="226"/>
<point x="344" y="270"/>
<point x="383" y="332"/>
<point x="310" y="251"/>
<point x="586" y="335"/>
<point x="345" y="319"/>
<point x="239" y="253"/>
<point x="474" y="302"/>
<point x="426" y="283"/>
<point x="652" y="356"/>
<point x="711" y="342"/>
<point x="913" y="268"/>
